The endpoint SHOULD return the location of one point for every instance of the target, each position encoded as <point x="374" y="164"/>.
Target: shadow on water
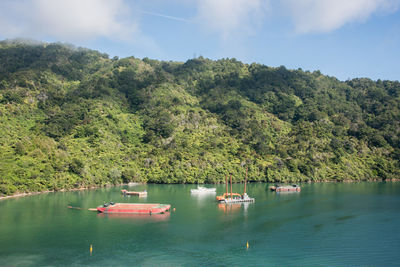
<point x="318" y="227"/>
<point x="343" y="218"/>
<point x="142" y="218"/>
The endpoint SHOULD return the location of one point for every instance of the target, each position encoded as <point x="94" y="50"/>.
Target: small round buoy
<point x="247" y="245"/>
<point x="174" y="209"/>
<point x="91" y="250"/>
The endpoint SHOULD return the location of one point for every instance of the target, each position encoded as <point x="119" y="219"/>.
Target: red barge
<point x="133" y="208"/>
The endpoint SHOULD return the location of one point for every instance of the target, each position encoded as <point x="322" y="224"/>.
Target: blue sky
<point x="341" y="38"/>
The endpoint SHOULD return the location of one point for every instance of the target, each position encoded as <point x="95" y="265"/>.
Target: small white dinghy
<point x="203" y="190"/>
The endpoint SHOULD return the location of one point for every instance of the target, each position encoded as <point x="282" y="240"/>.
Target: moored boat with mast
<point x="230" y="198"/>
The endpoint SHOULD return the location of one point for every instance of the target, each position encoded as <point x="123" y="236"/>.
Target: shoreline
<point x="26" y="194"/>
<point x="46" y="192"/>
<point x="18" y="195"/>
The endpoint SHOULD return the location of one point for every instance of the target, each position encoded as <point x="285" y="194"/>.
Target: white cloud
<point x="83" y="20"/>
<point x="319" y="16"/>
<point x="230" y="16"/>
<point x="66" y="20"/>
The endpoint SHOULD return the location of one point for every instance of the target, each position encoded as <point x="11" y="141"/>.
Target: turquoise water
<point x="324" y="225"/>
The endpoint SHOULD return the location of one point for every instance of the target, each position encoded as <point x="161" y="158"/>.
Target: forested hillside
<point x="73" y="117"/>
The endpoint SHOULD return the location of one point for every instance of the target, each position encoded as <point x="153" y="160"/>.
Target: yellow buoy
<point x="91" y="250"/>
<point x="247" y="245"/>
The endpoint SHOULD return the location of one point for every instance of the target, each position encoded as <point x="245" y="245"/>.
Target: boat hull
<point x="238" y="200"/>
<point x="229" y="199"/>
<point x="196" y="191"/>
<point x="288" y="190"/>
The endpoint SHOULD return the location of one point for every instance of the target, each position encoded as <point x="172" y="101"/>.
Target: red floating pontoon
<point x="139" y="208"/>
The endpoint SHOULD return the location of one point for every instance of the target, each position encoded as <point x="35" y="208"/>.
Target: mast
<point x="226" y="183"/>
<point x="231" y="187"/>
<point x="245" y="181"/>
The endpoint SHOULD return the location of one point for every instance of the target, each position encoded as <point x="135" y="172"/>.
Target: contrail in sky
<point x="166" y="16"/>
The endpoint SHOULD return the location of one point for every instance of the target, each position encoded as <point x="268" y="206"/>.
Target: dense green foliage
<point x="72" y="117"/>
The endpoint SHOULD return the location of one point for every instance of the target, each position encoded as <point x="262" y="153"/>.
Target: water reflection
<point x="136" y="217"/>
<point x="287" y="195"/>
<point x="204" y="198"/>
<point x="134" y="196"/>
<point x="229" y="208"/>
<point x="287" y="192"/>
<point x="208" y="193"/>
<point x="234" y="207"/>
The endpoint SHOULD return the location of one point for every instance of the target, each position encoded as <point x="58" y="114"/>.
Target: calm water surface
<point x="324" y="225"/>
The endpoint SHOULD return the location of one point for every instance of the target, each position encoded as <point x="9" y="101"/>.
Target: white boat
<point x="202" y="190"/>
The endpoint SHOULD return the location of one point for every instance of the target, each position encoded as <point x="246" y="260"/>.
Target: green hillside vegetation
<point x="73" y="118"/>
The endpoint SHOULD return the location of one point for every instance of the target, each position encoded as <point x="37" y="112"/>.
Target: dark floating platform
<point x="286" y="188"/>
